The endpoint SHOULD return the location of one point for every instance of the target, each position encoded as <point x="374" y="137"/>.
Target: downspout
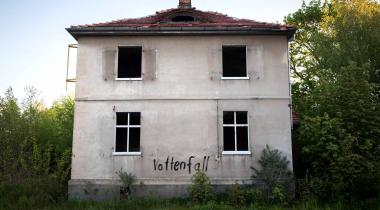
<point x="217" y="130"/>
<point x="289" y="83"/>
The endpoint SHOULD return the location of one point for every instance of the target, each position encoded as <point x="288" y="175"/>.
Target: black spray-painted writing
<point x="171" y="165"/>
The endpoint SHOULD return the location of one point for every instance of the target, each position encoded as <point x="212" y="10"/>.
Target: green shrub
<point x="340" y="163"/>
<point x="210" y="205"/>
<point x="274" y="169"/>
<point x="127" y="180"/>
<point x="239" y="195"/>
<point x="252" y="195"/>
<point x="200" y="188"/>
<point x="310" y="187"/>
<point x="236" y="195"/>
<point x="278" y="195"/>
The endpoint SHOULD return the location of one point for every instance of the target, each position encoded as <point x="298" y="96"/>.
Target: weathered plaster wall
<point x="179" y="129"/>
<point x="189" y="66"/>
<point x="181" y="107"/>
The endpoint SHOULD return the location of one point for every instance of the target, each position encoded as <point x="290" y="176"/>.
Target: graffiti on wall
<point x="191" y="164"/>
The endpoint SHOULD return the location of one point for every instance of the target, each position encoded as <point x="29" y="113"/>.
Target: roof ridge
<point x="163" y="18"/>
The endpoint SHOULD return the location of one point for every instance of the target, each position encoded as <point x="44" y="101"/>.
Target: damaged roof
<point x="182" y="21"/>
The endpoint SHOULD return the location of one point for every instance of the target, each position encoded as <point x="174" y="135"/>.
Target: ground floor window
<point x="235" y="131"/>
<point x="128" y="126"/>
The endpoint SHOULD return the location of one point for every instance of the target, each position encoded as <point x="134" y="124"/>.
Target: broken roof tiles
<point x="172" y="20"/>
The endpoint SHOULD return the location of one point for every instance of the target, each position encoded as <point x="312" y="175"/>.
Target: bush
<point x="236" y="195"/>
<point x="35" y="151"/>
<point x="239" y="195"/>
<point x="278" y="195"/>
<point x="274" y="170"/>
<point x="310" y="187"/>
<point x="127" y="180"/>
<point x="340" y="163"/>
<point x="200" y="189"/>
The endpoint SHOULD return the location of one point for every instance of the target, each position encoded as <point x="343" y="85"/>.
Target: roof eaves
<point x="144" y="31"/>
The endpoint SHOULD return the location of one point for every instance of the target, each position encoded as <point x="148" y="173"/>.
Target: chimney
<point x="184" y="4"/>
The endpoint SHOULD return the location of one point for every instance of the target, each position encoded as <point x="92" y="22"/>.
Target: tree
<point x="335" y="61"/>
<point x="35" y="147"/>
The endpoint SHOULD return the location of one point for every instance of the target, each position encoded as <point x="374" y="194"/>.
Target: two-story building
<point x="178" y="91"/>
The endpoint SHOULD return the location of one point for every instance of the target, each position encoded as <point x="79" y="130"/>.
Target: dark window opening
<point x="229" y="139"/>
<point x="241" y="118"/>
<point x="128" y="125"/>
<point x="183" y="18"/>
<point x="134" y="118"/>
<point x="234" y="61"/>
<point x="121" y="139"/>
<point x="242" y="138"/>
<point x="134" y="140"/>
<point x="235" y="131"/>
<point x="228" y="117"/>
<point x="129" y="62"/>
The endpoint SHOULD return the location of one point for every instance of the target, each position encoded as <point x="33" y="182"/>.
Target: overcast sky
<point x="33" y="39"/>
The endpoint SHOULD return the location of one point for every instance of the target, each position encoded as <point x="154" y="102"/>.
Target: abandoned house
<point x="178" y="91"/>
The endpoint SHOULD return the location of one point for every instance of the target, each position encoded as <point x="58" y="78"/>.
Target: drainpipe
<point x="289" y="82"/>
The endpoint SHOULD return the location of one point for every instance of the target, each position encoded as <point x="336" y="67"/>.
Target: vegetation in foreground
<point x="159" y="204"/>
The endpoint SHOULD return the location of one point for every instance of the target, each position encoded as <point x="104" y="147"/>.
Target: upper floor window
<point x="128" y="125"/>
<point x="235" y="132"/>
<point x="235" y="62"/>
<point x="129" y="63"/>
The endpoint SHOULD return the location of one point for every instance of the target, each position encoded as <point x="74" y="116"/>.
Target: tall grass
<point x="183" y="204"/>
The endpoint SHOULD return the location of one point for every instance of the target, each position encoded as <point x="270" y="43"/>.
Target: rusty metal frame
<point x="70" y="80"/>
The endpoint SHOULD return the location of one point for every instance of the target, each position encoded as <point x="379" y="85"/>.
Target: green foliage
<point x="200" y="189"/>
<point x="311" y="187"/>
<point x="335" y="61"/>
<point x="239" y="195"/>
<point x="339" y="161"/>
<point x="127" y="180"/>
<point x="274" y="168"/>
<point x="35" y="149"/>
<point x="278" y="195"/>
<point x="159" y="204"/>
<point x="236" y="195"/>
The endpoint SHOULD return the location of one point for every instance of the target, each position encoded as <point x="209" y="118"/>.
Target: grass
<point x="33" y="197"/>
<point x="159" y="204"/>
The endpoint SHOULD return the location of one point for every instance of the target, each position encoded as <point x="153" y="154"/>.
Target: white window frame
<point x="235" y="78"/>
<point x="127" y="126"/>
<point x="235" y="126"/>
<point x="117" y="64"/>
<point x="246" y="64"/>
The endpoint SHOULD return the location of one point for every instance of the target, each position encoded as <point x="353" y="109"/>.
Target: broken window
<point x="128" y="125"/>
<point x="234" y="61"/>
<point x="235" y="131"/>
<point x="129" y="63"/>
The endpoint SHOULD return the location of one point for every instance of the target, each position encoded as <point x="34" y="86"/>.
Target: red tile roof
<point x="202" y="19"/>
<point x="162" y="21"/>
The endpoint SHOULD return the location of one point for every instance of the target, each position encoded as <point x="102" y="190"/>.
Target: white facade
<point x="181" y="98"/>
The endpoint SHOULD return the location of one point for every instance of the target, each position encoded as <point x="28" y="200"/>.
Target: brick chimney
<point x="184" y="4"/>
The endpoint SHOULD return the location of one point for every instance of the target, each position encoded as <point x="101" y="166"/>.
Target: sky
<point x="33" y="39"/>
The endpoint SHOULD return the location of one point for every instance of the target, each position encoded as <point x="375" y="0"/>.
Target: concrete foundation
<point x="104" y="190"/>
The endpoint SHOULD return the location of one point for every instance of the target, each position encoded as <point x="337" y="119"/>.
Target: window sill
<point x="235" y="78"/>
<point x="236" y="153"/>
<point x="126" y="153"/>
<point x="128" y="79"/>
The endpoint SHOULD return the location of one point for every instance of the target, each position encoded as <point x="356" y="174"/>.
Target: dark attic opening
<point x="183" y="18"/>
